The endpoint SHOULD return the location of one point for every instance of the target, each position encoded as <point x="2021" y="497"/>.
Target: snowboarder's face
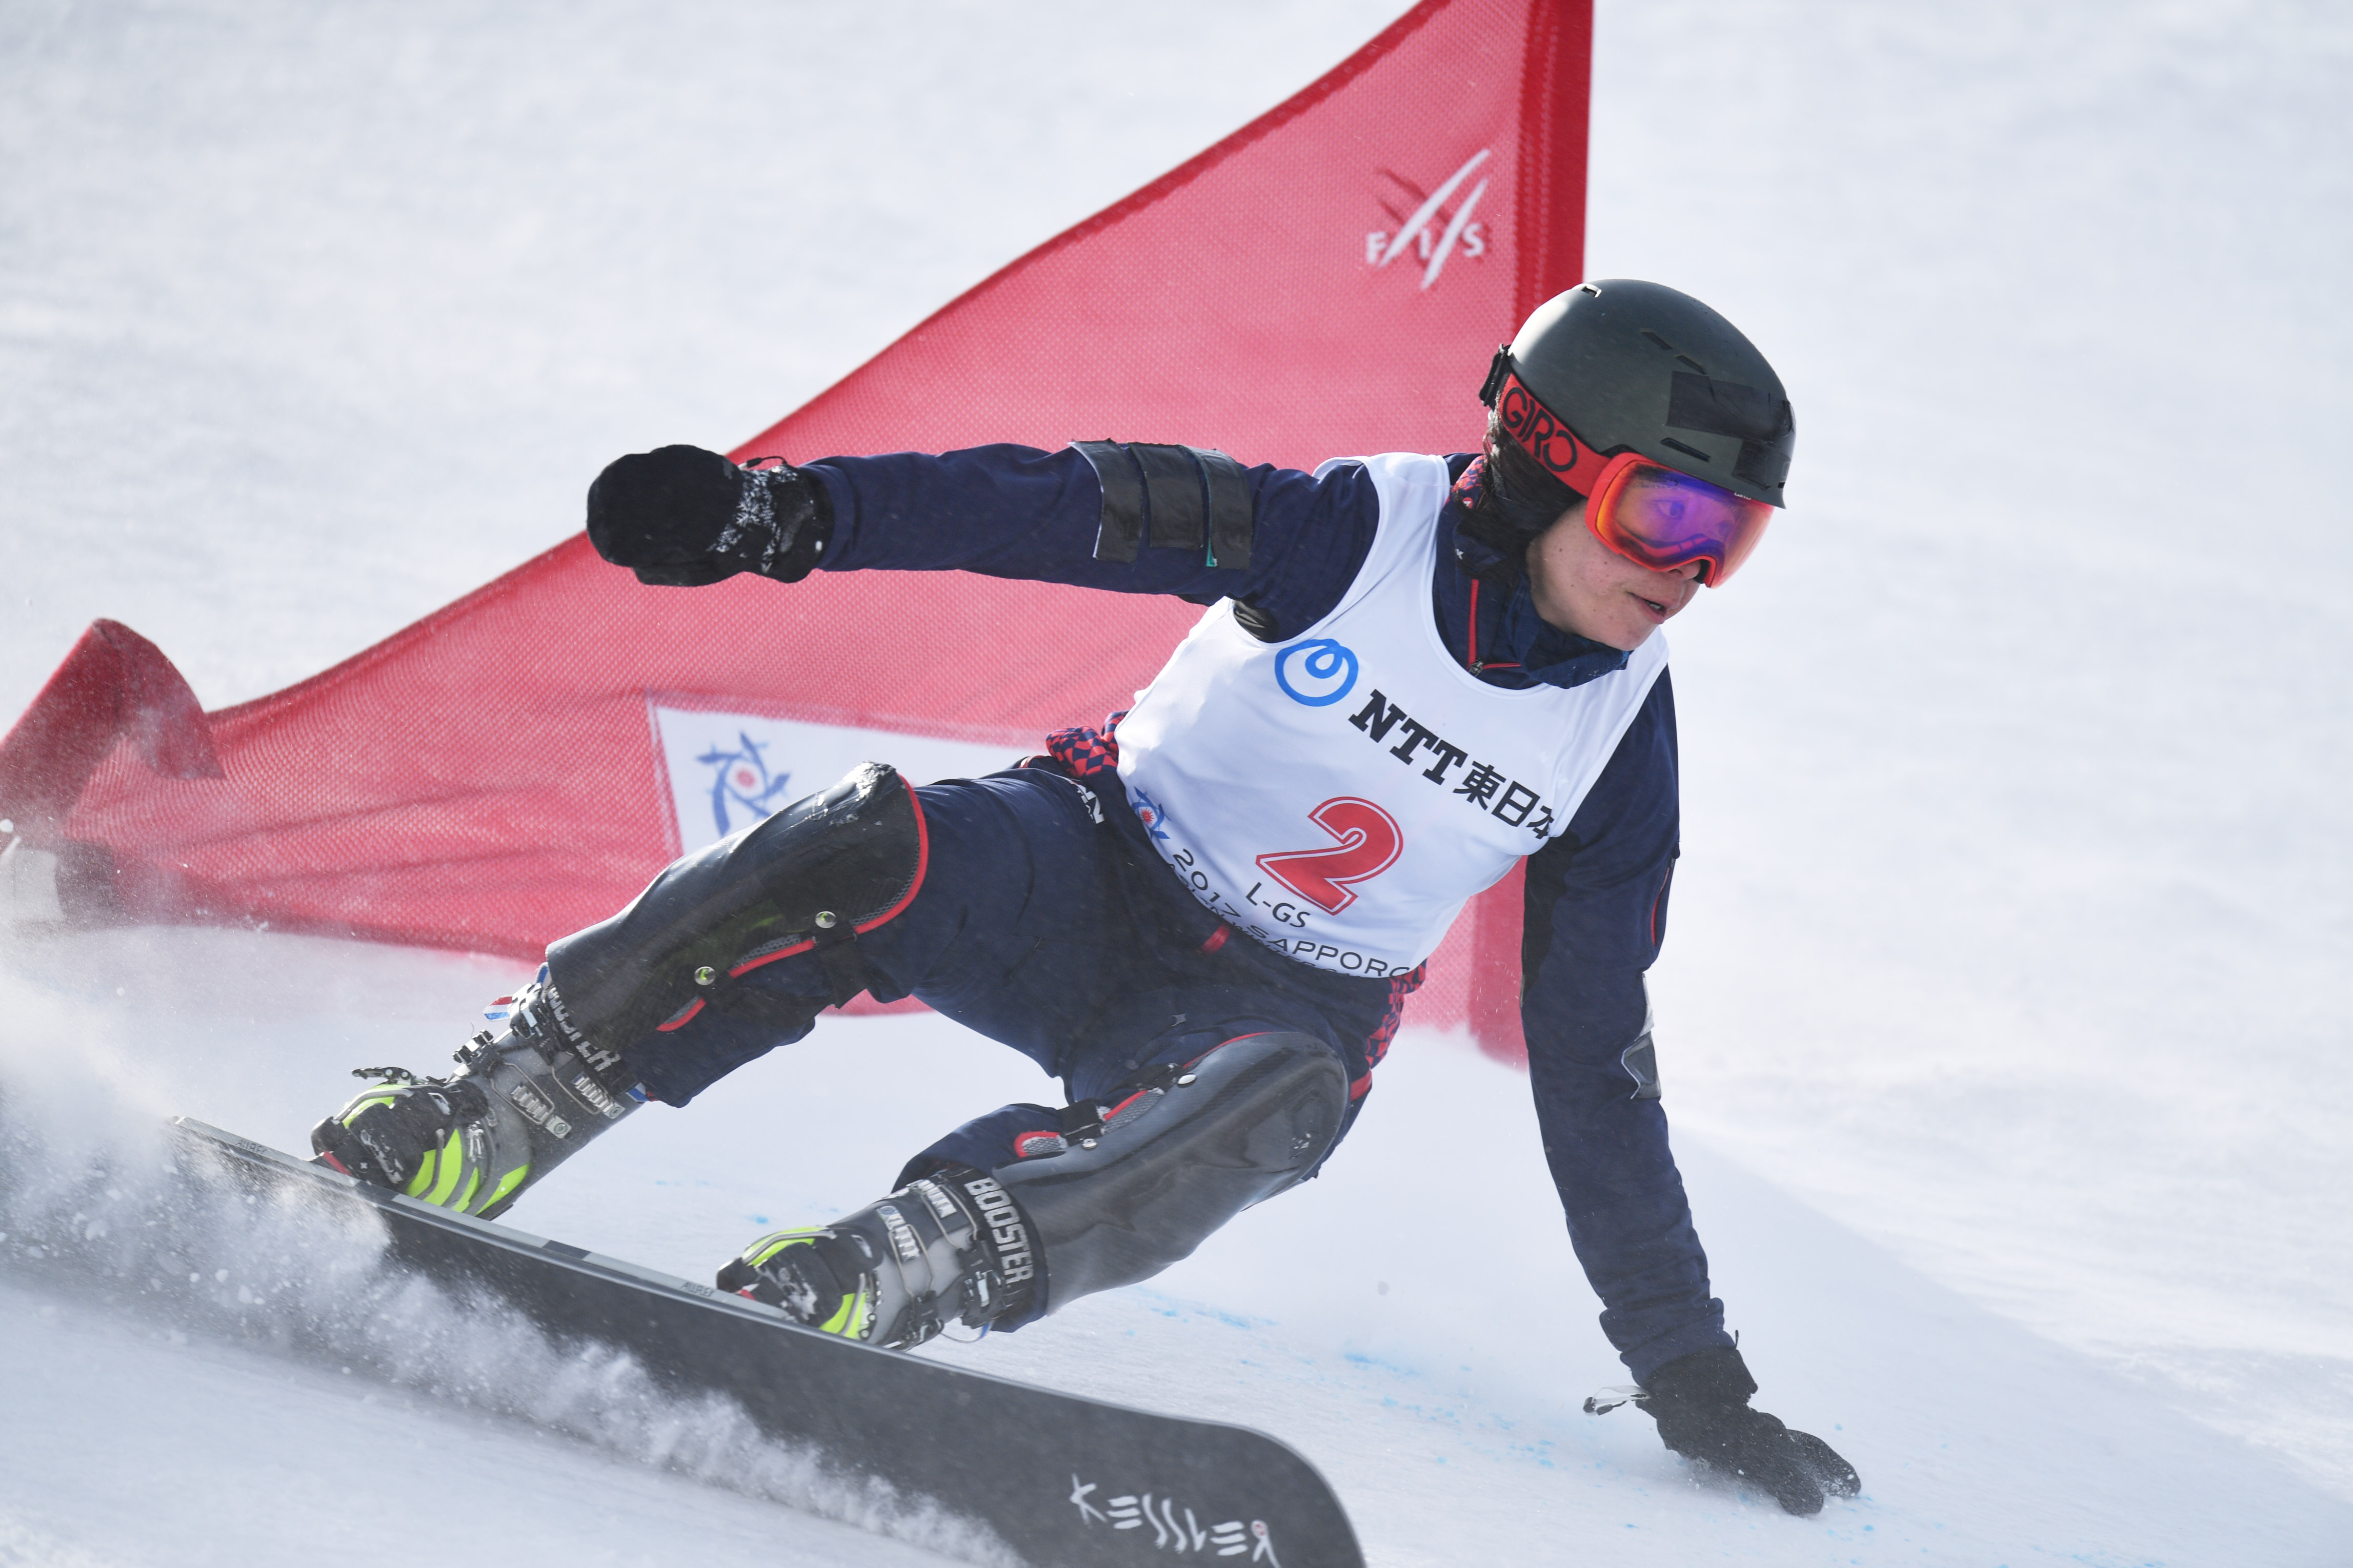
<point x="1582" y="586"/>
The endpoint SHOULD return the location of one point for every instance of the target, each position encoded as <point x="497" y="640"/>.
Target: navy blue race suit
<point x="1047" y="922"/>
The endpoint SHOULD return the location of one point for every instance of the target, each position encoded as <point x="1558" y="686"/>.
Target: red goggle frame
<point x="1652" y="514"/>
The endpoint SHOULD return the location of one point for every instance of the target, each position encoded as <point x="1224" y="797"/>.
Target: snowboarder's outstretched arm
<point x="1597" y="906"/>
<point x="1292" y="541"/>
<point x="1596" y="912"/>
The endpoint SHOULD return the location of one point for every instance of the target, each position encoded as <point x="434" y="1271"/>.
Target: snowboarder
<point x="1205" y="917"/>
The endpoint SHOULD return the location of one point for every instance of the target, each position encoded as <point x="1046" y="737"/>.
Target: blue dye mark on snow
<point x="1177" y="1308"/>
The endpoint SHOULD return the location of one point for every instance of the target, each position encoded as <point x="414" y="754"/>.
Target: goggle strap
<point x="1497" y="369"/>
<point x="1543" y="435"/>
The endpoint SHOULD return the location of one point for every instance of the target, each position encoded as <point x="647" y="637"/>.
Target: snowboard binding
<point x="521" y="1103"/>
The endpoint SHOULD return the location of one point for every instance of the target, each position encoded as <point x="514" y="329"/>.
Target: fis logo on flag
<point x="727" y="769"/>
<point x="1436" y="227"/>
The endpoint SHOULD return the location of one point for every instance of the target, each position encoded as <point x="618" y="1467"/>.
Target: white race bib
<point x="1339" y="795"/>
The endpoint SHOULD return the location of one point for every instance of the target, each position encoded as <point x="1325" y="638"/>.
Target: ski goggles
<point x="1653" y="515"/>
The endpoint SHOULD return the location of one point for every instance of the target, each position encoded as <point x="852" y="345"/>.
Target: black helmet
<point x="1620" y="365"/>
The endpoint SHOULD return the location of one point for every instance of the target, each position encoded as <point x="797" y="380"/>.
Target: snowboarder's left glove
<point x="682" y="516"/>
<point x="1701" y="1402"/>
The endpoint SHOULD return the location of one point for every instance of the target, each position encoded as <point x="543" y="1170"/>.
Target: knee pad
<point x="1177" y="1159"/>
<point x="813" y="876"/>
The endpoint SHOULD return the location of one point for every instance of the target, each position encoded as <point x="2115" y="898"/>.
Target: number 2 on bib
<point x="1370" y="840"/>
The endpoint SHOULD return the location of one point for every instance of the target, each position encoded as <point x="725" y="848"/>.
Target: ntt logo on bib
<point x="1317" y="673"/>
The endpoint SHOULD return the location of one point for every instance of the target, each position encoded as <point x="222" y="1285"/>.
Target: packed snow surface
<point x="2003" y="1017"/>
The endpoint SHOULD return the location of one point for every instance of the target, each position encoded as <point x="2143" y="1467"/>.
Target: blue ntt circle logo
<point x="1317" y="673"/>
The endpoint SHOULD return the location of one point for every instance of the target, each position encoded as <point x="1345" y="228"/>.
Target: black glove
<point x="1701" y="1402"/>
<point x="682" y="516"/>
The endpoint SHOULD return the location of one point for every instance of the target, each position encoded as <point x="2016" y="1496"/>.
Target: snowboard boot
<point x="521" y="1103"/>
<point x="951" y="1247"/>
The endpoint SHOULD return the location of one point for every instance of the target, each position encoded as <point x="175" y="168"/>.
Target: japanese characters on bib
<point x="1339" y="795"/>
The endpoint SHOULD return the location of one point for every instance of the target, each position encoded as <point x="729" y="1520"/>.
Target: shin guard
<point x="1176" y="1159"/>
<point x="813" y="876"/>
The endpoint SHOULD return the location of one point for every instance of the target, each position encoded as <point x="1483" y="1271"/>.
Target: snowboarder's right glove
<point x="1701" y="1402"/>
<point x="682" y="516"/>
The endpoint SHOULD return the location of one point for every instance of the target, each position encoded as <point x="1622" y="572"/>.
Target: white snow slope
<point x="2003" y="1014"/>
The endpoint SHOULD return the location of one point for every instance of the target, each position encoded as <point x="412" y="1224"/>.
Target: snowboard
<point x="1065" y="1481"/>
